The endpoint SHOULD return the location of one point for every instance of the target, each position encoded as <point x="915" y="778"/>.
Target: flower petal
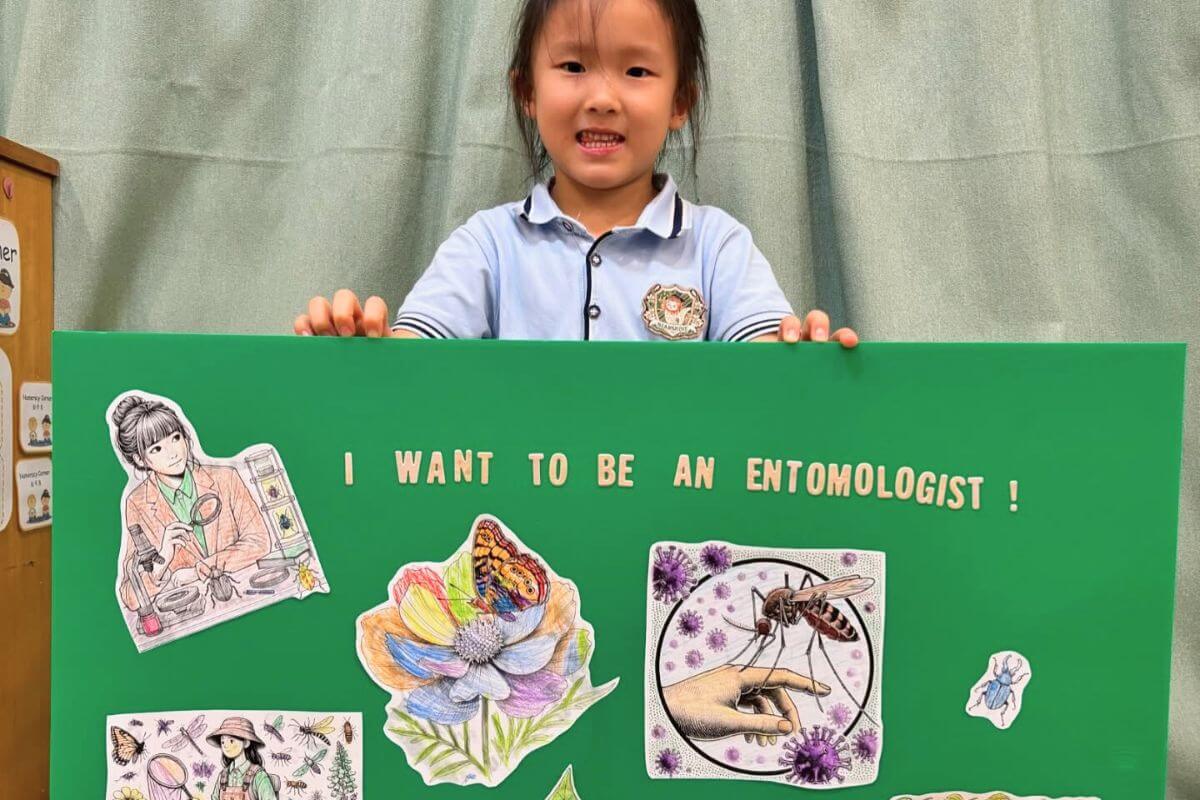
<point x="527" y="656"/>
<point x="532" y="693"/>
<point x="572" y="652"/>
<point x="460" y="588"/>
<point x="454" y="668"/>
<point x="521" y="624"/>
<point x="373" y="629"/>
<point x="481" y="679"/>
<point x="420" y="576"/>
<point x="561" y="609"/>
<point x="427" y="616"/>
<point x="415" y="656"/>
<point x="433" y="703"/>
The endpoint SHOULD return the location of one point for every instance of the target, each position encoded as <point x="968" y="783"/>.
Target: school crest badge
<point x="674" y="312"/>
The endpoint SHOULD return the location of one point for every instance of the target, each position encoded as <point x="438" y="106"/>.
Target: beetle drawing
<point x="997" y="693"/>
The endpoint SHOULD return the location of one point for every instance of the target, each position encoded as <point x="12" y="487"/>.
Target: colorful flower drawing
<point x="478" y="682"/>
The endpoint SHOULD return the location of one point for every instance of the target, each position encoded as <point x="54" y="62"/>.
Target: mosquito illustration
<point x="785" y="607"/>
<point x="189" y="735"/>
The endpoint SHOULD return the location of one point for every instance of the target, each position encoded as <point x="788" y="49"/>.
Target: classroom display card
<point x="35" y="487"/>
<point x="10" y="279"/>
<point x="36" y="430"/>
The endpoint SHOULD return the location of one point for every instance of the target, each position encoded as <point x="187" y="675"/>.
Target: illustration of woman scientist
<point x="176" y="492"/>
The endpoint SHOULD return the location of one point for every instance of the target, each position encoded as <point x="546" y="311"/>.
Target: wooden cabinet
<point x="26" y="184"/>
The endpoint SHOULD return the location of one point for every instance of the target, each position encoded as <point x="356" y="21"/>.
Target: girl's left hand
<point x="814" y="328"/>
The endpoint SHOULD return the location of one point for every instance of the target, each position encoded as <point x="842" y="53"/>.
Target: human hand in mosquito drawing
<point x="730" y="700"/>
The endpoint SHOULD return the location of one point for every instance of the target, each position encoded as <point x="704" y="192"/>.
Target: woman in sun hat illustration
<point x="242" y="776"/>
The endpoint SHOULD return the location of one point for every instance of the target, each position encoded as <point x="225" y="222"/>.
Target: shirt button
<point x="596" y="259"/>
<point x="593" y="311"/>
<point x="568" y="227"/>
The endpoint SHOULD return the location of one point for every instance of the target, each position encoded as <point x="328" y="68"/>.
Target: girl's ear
<point x="685" y="98"/>
<point x="528" y="104"/>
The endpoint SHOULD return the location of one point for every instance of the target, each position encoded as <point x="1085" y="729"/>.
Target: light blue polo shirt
<point x="526" y="270"/>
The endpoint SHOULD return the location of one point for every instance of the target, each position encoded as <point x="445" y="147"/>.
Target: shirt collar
<point x="663" y="216"/>
<point x="187" y="488"/>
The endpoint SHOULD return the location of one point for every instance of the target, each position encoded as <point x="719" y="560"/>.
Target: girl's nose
<point x="602" y="96"/>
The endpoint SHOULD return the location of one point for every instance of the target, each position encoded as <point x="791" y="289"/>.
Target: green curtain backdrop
<point x="1024" y="170"/>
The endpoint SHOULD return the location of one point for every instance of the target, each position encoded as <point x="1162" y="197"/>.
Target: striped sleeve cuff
<point x="755" y="325"/>
<point x="423" y="325"/>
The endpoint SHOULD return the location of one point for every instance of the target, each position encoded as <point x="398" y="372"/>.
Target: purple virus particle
<point x="858" y="684"/>
<point x="856" y="654"/>
<point x="851" y="672"/>
<point x="699" y="601"/>
<point x="669" y="666"/>
<point x="731" y="608"/>
<point x="820" y="757"/>
<point x="658" y="732"/>
<point x="673" y="574"/>
<point x="732" y="755"/>
<point x="673" y="643"/>
<point x="722" y="591"/>
<point x="741" y="576"/>
<point x="694" y="658"/>
<point x="866" y="745"/>
<point x="712" y="612"/>
<point x="668" y="762"/>
<point x="869" y="607"/>
<point x="690" y="624"/>
<point x="716" y="558"/>
<point x="716" y="640"/>
<point x="849" y="559"/>
<point x="760" y="760"/>
<point x="762" y="576"/>
<point x="839" y="715"/>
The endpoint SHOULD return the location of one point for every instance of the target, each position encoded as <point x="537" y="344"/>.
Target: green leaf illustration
<point x="565" y="789"/>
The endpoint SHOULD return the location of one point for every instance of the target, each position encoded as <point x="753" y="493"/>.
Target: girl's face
<point x="168" y="456"/>
<point x="232" y="746"/>
<point x="604" y="105"/>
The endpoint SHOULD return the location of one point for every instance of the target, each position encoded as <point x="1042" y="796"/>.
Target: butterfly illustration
<point x="126" y="748"/>
<point x="506" y="580"/>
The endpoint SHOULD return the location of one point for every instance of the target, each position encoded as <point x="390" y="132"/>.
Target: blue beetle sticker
<point x="998" y="694"/>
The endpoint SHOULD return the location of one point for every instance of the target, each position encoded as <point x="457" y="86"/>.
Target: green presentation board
<point x="1072" y="566"/>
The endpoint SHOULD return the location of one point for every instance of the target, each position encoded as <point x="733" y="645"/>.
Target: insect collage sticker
<point x="764" y="664"/>
<point x="204" y="539"/>
<point x="180" y="755"/>
<point x="490" y="642"/>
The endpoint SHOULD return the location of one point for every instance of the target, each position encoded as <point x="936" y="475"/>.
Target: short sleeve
<point x="745" y="300"/>
<point x="455" y="297"/>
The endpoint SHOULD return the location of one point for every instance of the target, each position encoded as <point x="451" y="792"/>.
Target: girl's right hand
<point x="345" y="317"/>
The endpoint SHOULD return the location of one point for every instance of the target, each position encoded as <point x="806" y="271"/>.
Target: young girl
<point x="607" y="248"/>
<point x="242" y="776"/>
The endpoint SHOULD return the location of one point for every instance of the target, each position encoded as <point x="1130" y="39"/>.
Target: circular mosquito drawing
<point x="782" y="615"/>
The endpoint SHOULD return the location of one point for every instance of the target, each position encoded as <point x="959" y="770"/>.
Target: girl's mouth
<point x="599" y="144"/>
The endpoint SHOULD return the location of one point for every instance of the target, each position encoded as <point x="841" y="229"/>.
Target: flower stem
<point x="467" y="736"/>
<point x="486" y="759"/>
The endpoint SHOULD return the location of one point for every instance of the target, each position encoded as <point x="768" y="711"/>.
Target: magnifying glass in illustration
<point x="206" y="508"/>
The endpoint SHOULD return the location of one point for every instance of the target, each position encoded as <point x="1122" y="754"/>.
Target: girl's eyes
<point x="575" y="68"/>
<point x="154" y="450"/>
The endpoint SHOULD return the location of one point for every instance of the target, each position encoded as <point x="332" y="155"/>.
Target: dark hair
<point x="140" y="423"/>
<point x="250" y="751"/>
<point x="687" y="32"/>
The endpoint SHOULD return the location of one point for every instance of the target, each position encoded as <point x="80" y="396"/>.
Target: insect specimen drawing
<point x="997" y="695"/>
<point x="781" y="648"/>
<point x="784" y="607"/>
